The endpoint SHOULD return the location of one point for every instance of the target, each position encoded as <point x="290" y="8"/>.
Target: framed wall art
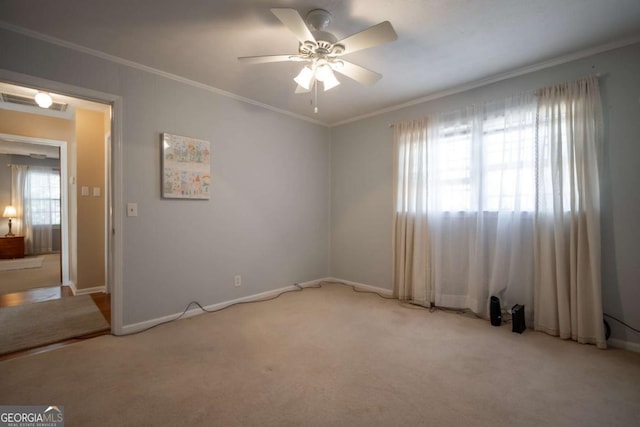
<point x="186" y="167"/>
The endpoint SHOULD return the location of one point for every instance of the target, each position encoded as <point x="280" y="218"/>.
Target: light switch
<point x="132" y="209"/>
<point x="96" y="191"/>
<point x="85" y="190"/>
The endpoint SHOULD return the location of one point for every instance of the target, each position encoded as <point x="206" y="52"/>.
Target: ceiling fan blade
<point x="372" y="36"/>
<point x="294" y="22"/>
<point x="358" y="73"/>
<point x="267" y="58"/>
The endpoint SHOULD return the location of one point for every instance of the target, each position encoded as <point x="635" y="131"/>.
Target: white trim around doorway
<point x="64" y="193"/>
<point x="114" y="245"/>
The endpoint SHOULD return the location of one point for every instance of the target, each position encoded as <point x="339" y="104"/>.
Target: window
<point x="43" y="192"/>
<point x="508" y="165"/>
<point x="452" y="170"/>
<point x="512" y="208"/>
<point x="483" y="162"/>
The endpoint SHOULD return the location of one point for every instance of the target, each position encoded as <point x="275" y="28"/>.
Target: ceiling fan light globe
<point x="330" y="81"/>
<point x="323" y="72"/>
<point x="304" y="78"/>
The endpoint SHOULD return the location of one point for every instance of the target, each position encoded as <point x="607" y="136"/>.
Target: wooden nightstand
<point x="11" y="247"/>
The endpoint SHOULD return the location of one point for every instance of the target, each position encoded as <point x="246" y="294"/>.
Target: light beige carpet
<point x="31" y="278"/>
<point x="33" y="325"/>
<point x="330" y="357"/>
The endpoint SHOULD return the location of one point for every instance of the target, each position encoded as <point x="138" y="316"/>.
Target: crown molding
<point x="430" y="97"/>
<point x="127" y="63"/>
<point x="499" y="77"/>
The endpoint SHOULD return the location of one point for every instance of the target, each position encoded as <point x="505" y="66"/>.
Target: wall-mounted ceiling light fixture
<point x="43" y="99"/>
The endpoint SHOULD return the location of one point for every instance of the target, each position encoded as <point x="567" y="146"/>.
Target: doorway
<point x="47" y="159"/>
<point x="98" y="194"/>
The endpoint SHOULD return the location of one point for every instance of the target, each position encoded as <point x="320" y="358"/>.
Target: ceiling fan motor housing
<point x="319" y="19"/>
<point x="324" y="45"/>
<point x="320" y="48"/>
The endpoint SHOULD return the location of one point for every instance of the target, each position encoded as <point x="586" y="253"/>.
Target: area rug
<point x="31" y="278"/>
<point x="21" y="263"/>
<point x="33" y="325"/>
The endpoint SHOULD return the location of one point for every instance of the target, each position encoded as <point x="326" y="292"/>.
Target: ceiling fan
<point x="322" y="51"/>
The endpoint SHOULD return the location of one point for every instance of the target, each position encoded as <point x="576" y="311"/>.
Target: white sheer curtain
<point x="464" y="202"/>
<point x="503" y="199"/>
<point x="481" y="175"/>
<point x="568" y="275"/>
<point x="42" y="207"/>
<point x="35" y="192"/>
<point x="18" y="183"/>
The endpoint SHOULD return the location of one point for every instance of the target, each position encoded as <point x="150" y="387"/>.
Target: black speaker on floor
<point x="517" y="319"/>
<point x="494" y="310"/>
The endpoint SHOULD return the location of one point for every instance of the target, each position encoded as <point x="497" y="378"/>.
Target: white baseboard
<point x="626" y="345"/>
<point x="314" y="282"/>
<point x="85" y="291"/>
<point x="140" y="326"/>
<point x="383" y="291"/>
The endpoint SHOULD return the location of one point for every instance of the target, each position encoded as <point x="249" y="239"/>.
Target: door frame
<point x="114" y="245"/>
<point x="64" y="194"/>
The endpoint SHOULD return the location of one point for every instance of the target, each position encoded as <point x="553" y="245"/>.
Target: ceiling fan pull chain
<point x="315" y="89"/>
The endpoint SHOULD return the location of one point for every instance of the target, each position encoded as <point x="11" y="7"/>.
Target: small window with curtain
<point x="43" y="193"/>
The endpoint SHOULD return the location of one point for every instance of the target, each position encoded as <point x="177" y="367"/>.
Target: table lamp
<point x="9" y="212"/>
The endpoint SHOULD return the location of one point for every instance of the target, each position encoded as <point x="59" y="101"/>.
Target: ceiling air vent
<point x="30" y="102"/>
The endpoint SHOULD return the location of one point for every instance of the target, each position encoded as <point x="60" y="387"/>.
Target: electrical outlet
<point x="237" y="280"/>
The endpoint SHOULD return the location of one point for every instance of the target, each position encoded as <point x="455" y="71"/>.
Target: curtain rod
<point x="35" y="166"/>
<point x="596" y="74"/>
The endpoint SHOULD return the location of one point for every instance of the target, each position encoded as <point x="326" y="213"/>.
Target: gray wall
<point x="267" y="219"/>
<point x="361" y="193"/>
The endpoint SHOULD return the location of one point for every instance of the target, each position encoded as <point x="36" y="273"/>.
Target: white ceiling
<point x="15" y="145"/>
<point x="442" y="44"/>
